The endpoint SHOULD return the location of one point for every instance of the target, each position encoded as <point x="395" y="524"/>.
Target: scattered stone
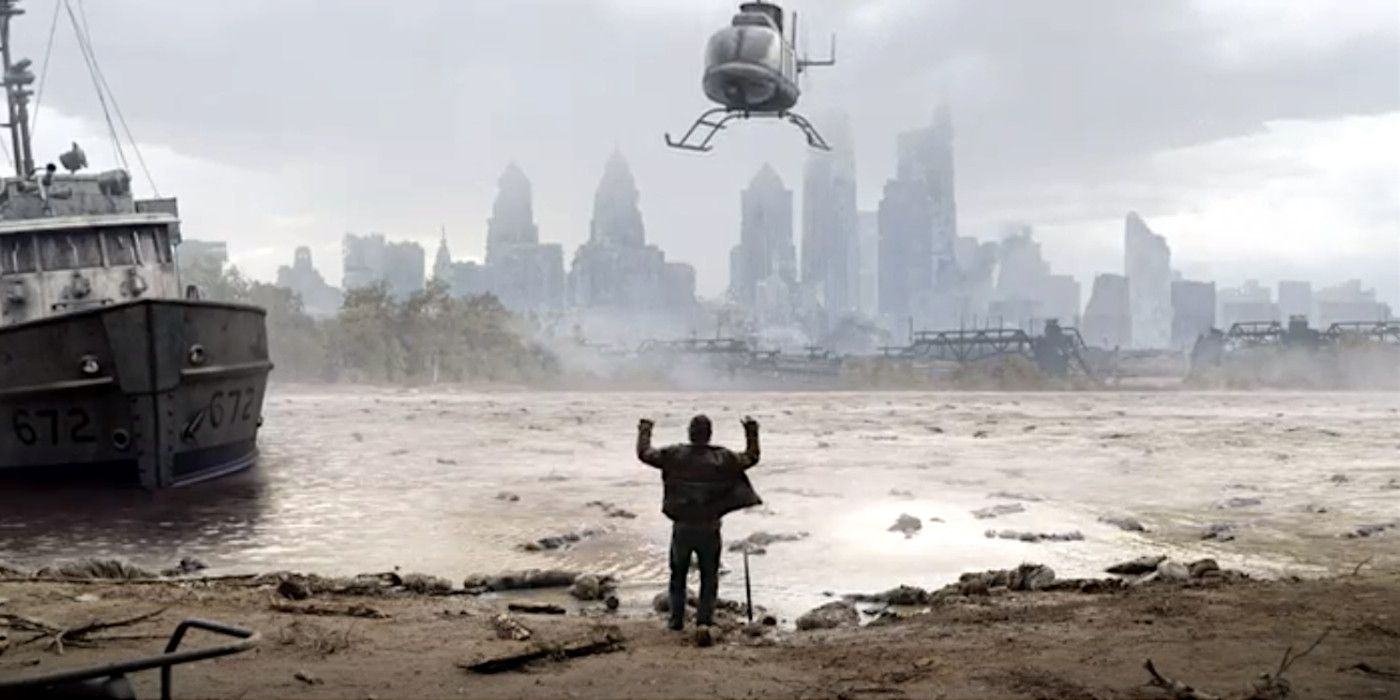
<point x="1009" y="496"/>
<point x="832" y="615"/>
<point x="446" y="461"/>
<point x="553" y="478"/>
<point x="611" y="511"/>
<point x="612" y="603"/>
<point x="1314" y="508"/>
<point x="906" y="525"/>
<point x="10" y="571"/>
<point x="899" y="595"/>
<point x="998" y="510"/>
<point x="293" y="589"/>
<point x="520" y="580"/>
<point x="591" y="587"/>
<point x="1136" y="567"/>
<point x="1026" y="577"/>
<point x="980" y="434"/>
<point x="553" y="542"/>
<point x="1219" y="532"/>
<point x="507" y="627"/>
<point x="508" y="497"/>
<point x="187" y="566"/>
<point x="935" y="519"/>
<point x="535" y="608"/>
<point x="1126" y="524"/>
<point x="1392" y="485"/>
<point x="1238" y="502"/>
<point x="1202" y="567"/>
<point x="769" y="621"/>
<point x="1172" y="571"/>
<point x="1027" y="536"/>
<point x="758" y="542"/>
<point x="898" y="493"/>
<point x="1370" y="530"/>
<point x="1339" y="479"/>
<point x="424" y="584"/>
<point x="114" y="569"/>
<point x="356" y="610"/>
<point x="307" y="678"/>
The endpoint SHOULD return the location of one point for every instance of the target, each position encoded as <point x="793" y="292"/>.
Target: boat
<point x="109" y="369"/>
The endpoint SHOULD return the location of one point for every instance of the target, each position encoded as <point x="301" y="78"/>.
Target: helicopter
<point x="752" y="70"/>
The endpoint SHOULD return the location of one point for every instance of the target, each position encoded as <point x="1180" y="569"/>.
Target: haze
<point x="1259" y="139"/>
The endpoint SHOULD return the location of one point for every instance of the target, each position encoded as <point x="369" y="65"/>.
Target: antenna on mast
<point x="16" y="78"/>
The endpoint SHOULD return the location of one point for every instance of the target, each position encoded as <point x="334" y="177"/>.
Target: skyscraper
<point x="1147" y="262"/>
<point x="918" y="223"/>
<point x="830" y="222"/>
<point x="765" y="237"/>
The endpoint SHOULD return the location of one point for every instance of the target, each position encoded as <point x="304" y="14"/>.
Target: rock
<point x="507" y="496"/>
<point x="536" y="608"/>
<point x="612" y="603"/>
<point x="1172" y="571"/>
<point x="758" y="541"/>
<point x="87" y="598"/>
<point x="509" y="628"/>
<point x="307" y="678"/>
<point x="885" y="617"/>
<point x="999" y="509"/>
<point x="1202" y="567"/>
<point x="832" y="615"/>
<point x="115" y="569"/>
<point x="1238" y="502"/>
<point x="424" y="584"/>
<point x="1136" y="567"/>
<point x="898" y="493"/>
<point x="900" y="595"/>
<point x="1123" y="523"/>
<point x="907" y="525"/>
<point x="1219" y="532"/>
<point x="610" y="510"/>
<point x="1392" y="485"/>
<point x="591" y="587"/>
<point x="187" y="566"/>
<point x="1030" y="577"/>
<point x="980" y="434"/>
<point x="520" y="580"/>
<point x="1340" y="479"/>
<point x="769" y="621"/>
<point x="10" y="571"/>
<point x="293" y="589"/>
<point x="1027" y="536"/>
<point x="661" y="602"/>
<point x="553" y="542"/>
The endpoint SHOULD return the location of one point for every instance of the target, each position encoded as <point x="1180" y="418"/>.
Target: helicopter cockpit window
<point x="70" y="251"/>
<point x="121" y="247"/>
<point x="16" y="254"/>
<point x="761" y="47"/>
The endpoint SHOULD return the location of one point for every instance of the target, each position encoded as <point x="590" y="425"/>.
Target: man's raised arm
<point x="749" y="456"/>
<point x="645" y="451"/>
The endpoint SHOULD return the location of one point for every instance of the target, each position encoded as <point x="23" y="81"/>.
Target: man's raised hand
<point x="645" y="424"/>
<point x="750" y="425"/>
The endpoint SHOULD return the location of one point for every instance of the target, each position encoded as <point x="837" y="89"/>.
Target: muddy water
<point x="357" y="480"/>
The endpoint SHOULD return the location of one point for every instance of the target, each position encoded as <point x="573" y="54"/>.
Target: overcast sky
<point x="1260" y="137"/>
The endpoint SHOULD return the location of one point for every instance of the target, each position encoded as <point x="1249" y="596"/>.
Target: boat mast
<point x="17" y="79"/>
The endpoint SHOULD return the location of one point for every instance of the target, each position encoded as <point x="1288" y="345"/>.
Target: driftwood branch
<point x="1289" y="660"/>
<point x="607" y="640"/>
<point x="1370" y="670"/>
<point x="1178" y="690"/>
<point x="75" y="636"/>
<point x="1356" y="571"/>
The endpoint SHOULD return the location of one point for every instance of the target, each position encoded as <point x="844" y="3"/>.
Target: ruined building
<point x="1295" y="299"/>
<point x="1248" y="303"/>
<point x="765" y="253"/>
<point x="616" y="269"/>
<point x="318" y="298"/>
<point x="918" y="227"/>
<point x="1193" y="311"/>
<point x="370" y="260"/>
<point x="831" y="253"/>
<point x="523" y="273"/>
<point x="1107" y="321"/>
<point x="1027" y="294"/>
<point x="1148" y="265"/>
<point x="1348" y="302"/>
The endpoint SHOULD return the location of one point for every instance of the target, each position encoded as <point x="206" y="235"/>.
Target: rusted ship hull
<point x="159" y="393"/>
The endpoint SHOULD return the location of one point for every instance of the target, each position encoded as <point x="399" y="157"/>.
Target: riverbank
<point x="1217" y="634"/>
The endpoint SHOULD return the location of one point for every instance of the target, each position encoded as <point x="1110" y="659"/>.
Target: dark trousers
<point x="704" y="542"/>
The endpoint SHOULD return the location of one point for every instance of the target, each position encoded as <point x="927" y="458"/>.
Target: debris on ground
<point x="899" y="595"/>
<point x="114" y="569"/>
<point x="997" y="510"/>
<point x="602" y="641"/>
<point x="509" y="628"/>
<point x="79" y="636"/>
<point x="508" y="497"/>
<point x="553" y="542"/>
<point x="536" y="608"/>
<point x="355" y="610"/>
<point x="307" y="678"/>
<point x="1370" y="530"/>
<point x="1027" y="536"/>
<point x="900" y="493"/>
<point x="906" y="525"/>
<point x="1009" y="496"/>
<point x="519" y="580"/>
<point x="610" y="510"/>
<point x="757" y="543"/>
<point x="11" y="571"/>
<point x="829" y="616"/>
<point x="1137" y="567"/>
<point x="293" y="589"/>
<point x="1124" y="523"/>
<point x="423" y="584"/>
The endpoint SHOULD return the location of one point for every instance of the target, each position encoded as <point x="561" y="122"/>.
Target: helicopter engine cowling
<point x="750" y="68"/>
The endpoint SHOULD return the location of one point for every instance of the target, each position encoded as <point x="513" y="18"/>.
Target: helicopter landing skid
<point x="706" y="127"/>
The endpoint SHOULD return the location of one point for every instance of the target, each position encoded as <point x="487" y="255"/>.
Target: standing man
<point x="703" y="482"/>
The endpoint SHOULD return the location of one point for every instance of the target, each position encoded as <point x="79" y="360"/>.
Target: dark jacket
<point x="702" y="482"/>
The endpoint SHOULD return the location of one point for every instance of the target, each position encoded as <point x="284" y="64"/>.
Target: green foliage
<point x="429" y="338"/>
